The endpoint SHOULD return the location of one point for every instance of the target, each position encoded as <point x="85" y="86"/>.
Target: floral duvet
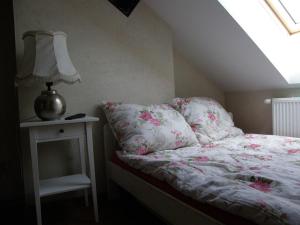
<point x="253" y="176"/>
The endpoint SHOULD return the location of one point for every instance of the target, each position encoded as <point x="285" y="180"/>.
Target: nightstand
<point x="58" y="130"/>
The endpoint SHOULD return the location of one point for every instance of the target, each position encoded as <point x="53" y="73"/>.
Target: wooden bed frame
<point x="170" y="209"/>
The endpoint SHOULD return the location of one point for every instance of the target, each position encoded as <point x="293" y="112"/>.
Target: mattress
<point x="254" y="177"/>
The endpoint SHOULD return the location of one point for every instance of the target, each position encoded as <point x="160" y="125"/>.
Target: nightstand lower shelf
<point x="64" y="184"/>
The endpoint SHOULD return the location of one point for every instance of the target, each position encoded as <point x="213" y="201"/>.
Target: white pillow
<point x="208" y="119"/>
<point x="143" y="129"/>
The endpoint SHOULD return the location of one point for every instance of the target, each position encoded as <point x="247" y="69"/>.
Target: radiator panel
<point x="286" y="116"/>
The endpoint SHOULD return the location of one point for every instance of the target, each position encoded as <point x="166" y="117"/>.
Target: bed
<point x="243" y="179"/>
<point x="163" y="204"/>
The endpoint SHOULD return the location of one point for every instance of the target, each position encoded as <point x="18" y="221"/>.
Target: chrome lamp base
<point x="49" y="105"/>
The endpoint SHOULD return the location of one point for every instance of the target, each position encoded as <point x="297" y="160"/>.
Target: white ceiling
<point x="208" y="36"/>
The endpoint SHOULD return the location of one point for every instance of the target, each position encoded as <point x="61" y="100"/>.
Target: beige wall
<point x="249" y="110"/>
<point x="190" y="82"/>
<point x="119" y="58"/>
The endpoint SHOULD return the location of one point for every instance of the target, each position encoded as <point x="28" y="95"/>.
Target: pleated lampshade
<point x="46" y="59"/>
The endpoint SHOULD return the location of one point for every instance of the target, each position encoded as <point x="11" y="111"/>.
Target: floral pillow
<point x="142" y="129"/>
<point x="208" y="119"/>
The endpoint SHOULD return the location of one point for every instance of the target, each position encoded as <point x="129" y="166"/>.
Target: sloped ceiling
<point x="209" y="37"/>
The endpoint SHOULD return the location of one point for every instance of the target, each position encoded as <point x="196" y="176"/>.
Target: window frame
<point x="284" y="16"/>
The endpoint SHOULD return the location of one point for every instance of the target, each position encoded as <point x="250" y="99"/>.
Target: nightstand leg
<point x="83" y="167"/>
<point x="92" y="168"/>
<point x="36" y="178"/>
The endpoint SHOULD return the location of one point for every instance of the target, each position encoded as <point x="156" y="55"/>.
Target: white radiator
<point x="286" y="116"/>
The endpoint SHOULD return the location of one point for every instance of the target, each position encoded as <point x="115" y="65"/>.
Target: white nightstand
<point x="57" y="130"/>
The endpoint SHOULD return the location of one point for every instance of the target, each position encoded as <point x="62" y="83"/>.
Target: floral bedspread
<point x="254" y="176"/>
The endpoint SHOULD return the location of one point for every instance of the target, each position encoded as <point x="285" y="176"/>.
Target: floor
<point x="73" y="212"/>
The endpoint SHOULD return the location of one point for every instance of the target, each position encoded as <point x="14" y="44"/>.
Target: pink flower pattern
<point x="201" y="159"/>
<point x="293" y="151"/>
<point x="147" y="116"/>
<point x="142" y="150"/>
<point x="240" y="164"/>
<point x="212" y="116"/>
<point x="208" y="119"/>
<point x="289" y="141"/>
<point x="253" y="146"/>
<point x="251" y="161"/>
<point x="178" y="143"/>
<point x="155" y="122"/>
<point x="143" y="129"/>
<point x="182" y="101"/>
<point x="261" y="186"/>
<point x="194" y="127"/>
<point x="210" y="145"/>
<point x="179" y="138"/>
<point x="110" y="105"/>
<point x="177" y="133"/>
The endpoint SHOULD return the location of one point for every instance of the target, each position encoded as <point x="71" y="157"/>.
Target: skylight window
<point x="288" y="12"/>
<point x="267" y="32"/>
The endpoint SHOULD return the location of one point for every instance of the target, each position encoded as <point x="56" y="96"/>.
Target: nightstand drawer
<point x="59" y="131"/>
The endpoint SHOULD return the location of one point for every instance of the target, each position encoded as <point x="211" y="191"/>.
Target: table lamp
<point x="46" y="59"/>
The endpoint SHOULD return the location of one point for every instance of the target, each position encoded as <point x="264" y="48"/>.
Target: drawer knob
<point x="61" y="131"/>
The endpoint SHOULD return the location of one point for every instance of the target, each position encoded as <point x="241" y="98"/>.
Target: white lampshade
<point x="46" y="59"/>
